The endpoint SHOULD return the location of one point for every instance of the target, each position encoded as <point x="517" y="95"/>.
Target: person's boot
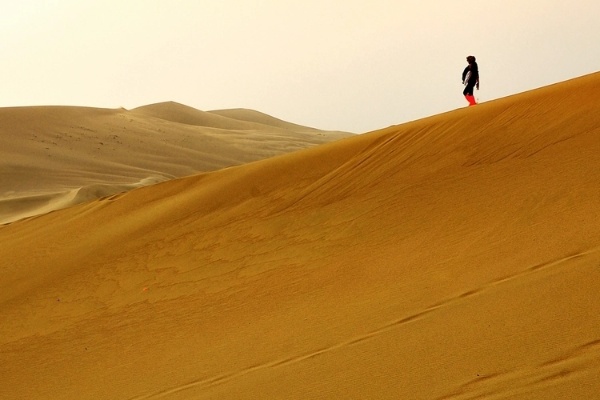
<point x="471" y="99"/>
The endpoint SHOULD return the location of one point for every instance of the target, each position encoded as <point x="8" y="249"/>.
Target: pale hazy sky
<point x="330" y="64"/>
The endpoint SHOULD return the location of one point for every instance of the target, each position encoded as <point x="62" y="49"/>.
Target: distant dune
<point x="54" y="157"/>
<point x="455" y="257"/>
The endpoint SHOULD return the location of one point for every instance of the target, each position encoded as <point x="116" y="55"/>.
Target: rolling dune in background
<point x="455" y="257"/>
<point x="55" y="157"/>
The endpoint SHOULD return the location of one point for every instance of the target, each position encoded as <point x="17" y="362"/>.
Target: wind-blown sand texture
<point x="455" y="257"/>
<point x="55" y="157"/>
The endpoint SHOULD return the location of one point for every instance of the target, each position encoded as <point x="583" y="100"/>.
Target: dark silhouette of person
<point x="470" y="78"/>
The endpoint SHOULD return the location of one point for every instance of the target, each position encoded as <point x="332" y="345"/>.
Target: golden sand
<point x="456" y="257"/>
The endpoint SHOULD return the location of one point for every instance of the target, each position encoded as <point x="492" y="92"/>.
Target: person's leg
<point x="468" y="92"/>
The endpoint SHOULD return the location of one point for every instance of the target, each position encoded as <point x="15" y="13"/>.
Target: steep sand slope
<point x="456" y="257"/>
<point x="53" y="157"/>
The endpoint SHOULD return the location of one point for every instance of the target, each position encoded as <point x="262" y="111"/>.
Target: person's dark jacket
<point x="473" y="76"/>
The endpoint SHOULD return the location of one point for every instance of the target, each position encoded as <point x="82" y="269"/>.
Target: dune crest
<point x="455" y="257"/>
<point x="179" y="113"/>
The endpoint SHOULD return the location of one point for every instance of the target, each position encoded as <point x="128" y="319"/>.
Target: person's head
<point x="470" y="59"/>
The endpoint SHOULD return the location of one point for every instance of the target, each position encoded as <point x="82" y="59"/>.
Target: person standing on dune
<point x="470" y="78"/>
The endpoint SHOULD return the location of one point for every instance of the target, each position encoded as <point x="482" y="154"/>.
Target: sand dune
<point x="47" y="153"/>
<point x="257" y="117"/>
<point x="455" y="257"/>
